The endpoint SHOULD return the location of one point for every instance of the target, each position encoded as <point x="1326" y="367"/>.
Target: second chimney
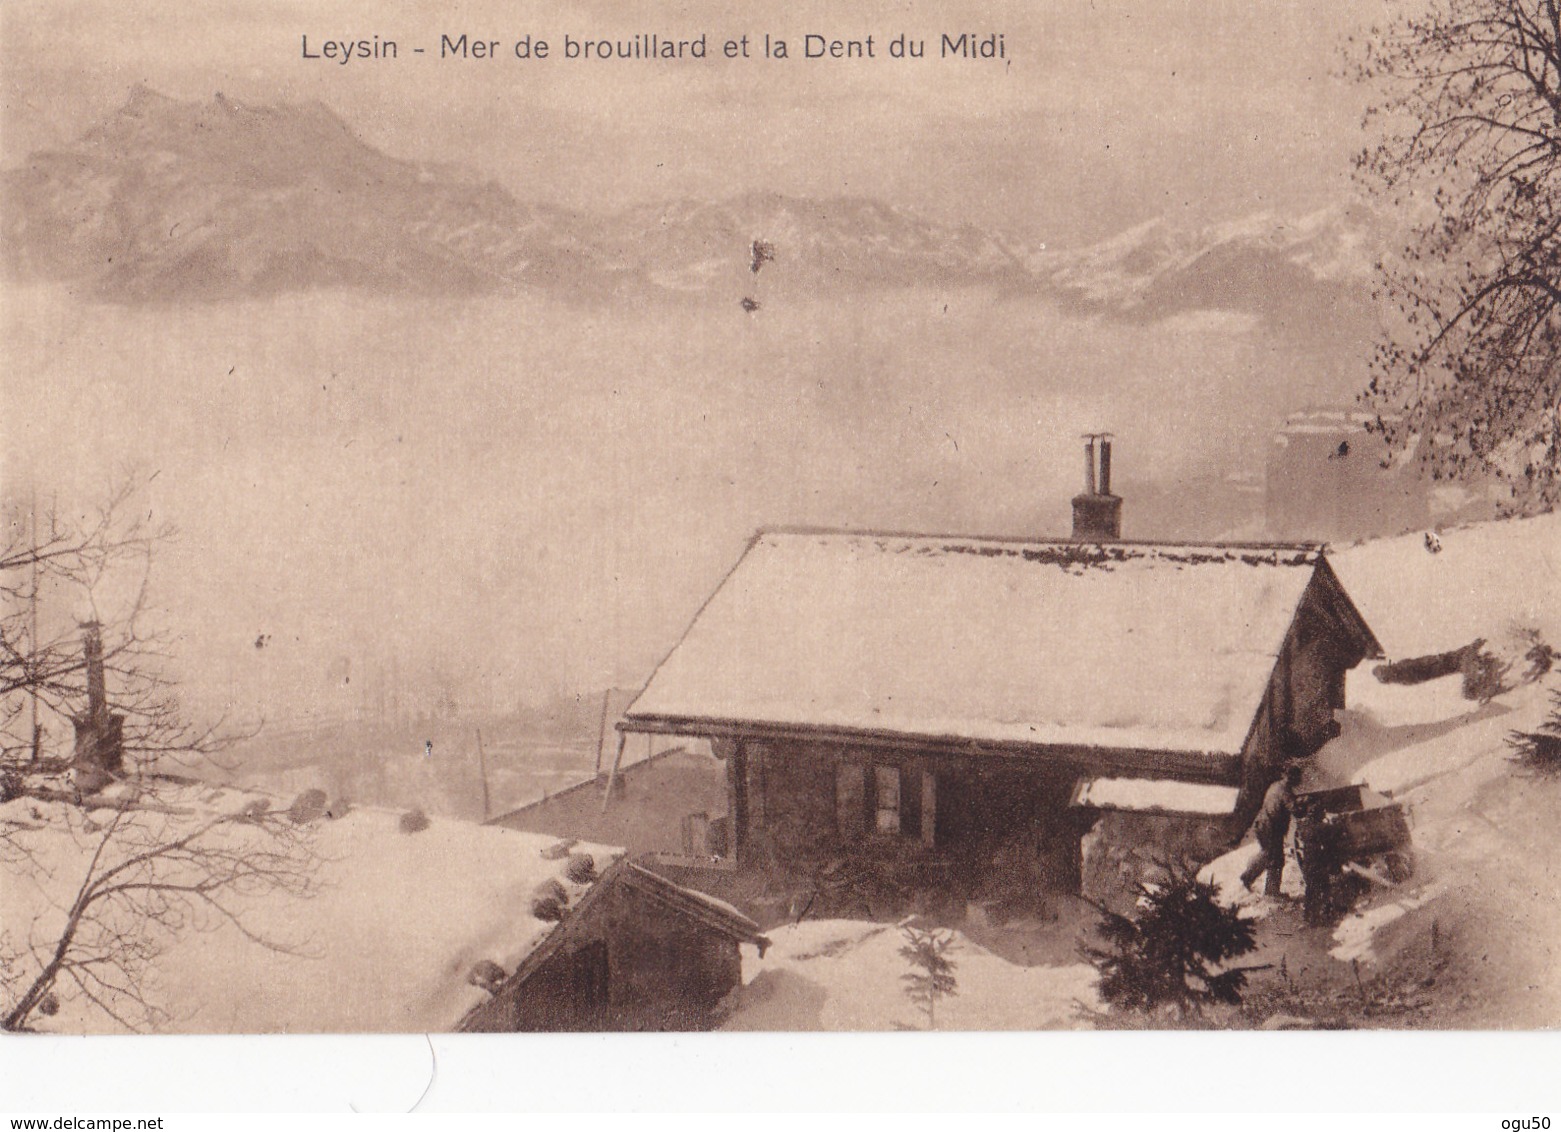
<point x="100" y="733"/>
<point x="1097" y="514"/>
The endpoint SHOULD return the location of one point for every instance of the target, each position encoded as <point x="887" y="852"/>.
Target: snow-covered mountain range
<point x="167" y="200"/>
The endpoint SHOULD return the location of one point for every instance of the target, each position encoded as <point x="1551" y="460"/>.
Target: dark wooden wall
<point x="968" y="825"/>
<point x="628" y="963"/>
<point x="1297" y="716"/>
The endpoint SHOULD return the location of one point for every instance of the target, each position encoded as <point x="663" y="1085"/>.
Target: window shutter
<point x="850" y="800"/>
<point x="929" y="808"/>
<point x="910" y="801"/>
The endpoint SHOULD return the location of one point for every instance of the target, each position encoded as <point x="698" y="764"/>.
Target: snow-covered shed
<point x="638" y="952"/>
<point x="927" y="697"/>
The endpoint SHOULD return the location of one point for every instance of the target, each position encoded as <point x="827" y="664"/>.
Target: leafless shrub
<point x="1485" y="676"/>
<point x="308" y="807"/>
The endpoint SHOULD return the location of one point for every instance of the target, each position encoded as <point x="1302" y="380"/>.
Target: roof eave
<point x="1203" y="766"/>
<point x="1308" y="547"/>
<point x="737" y="927"/>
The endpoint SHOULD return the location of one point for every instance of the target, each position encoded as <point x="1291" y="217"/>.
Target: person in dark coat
<point x="1270" y="827"/>
<point x="1317" y="845"/>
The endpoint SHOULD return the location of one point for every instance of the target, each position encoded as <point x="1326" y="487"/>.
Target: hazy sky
<point x="1104" y="113"/>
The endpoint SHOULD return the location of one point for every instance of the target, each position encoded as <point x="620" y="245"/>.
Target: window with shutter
<point x="887" y="783"/>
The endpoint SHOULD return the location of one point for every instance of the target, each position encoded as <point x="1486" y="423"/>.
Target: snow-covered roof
<point x="1123" y="646"/>
<point x="386" y="945"/>
<point x="712" y="910"/>
<point x="1155" y="794"/>
<point x="1333" y="421"/>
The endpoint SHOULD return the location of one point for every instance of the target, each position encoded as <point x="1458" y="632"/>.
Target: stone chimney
<point x="1097" y="514"/>
<point x="100" y="744"/>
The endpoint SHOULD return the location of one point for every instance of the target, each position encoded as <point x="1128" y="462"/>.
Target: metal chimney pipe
<point x="1089" y="466"/>
<point x="1105" y="467"/>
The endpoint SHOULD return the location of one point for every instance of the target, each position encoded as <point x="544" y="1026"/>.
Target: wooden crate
<point x="1364" y="833"/>
<point x="1335" y="799"/>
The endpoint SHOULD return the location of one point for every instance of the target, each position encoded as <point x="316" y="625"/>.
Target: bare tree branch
<point x="164" y="862"/>
<point x="1467" y="144"/>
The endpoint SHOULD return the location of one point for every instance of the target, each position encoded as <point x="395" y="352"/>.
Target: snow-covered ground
<point x="404" y="916"/>
<point x="1487" y="882"/>
<point x="1488" y="865"/>
<point x="846" y="975"/>
<point x="1488" y="579"/>
<point x="385" y="945"/>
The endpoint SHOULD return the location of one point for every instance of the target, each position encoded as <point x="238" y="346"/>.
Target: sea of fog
<point x="515" y="497"/>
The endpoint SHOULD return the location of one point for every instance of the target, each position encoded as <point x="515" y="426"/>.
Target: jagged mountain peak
<point x="143" y="100"/>
<point x="224" y="129"/>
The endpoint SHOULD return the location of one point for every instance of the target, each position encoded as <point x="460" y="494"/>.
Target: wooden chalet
<point x="946" y="700"/>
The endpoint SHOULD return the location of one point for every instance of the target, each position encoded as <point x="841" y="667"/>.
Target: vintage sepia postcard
<point x="785" y="517"/>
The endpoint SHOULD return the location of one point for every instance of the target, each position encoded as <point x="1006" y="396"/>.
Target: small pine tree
<point x="1485" y="676"/>
<point x="1540" y="751"/>
<point x="1171" y="951"/>
<point x="933" y="976"/>
<point x="1540" y="656"/>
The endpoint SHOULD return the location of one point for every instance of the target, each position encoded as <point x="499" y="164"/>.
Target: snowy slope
<point x="385" y="946"/>
<point x="1488" y="866"/>
<point x="1489" y="580"/>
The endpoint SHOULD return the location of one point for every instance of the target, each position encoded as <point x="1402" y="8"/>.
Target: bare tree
<point x="1467" y="153"/>
<point x="128" y="855"/>
<point x="91" y="565"/>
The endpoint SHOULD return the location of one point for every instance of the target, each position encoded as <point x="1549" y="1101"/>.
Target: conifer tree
<point x="1173" y="952"/>
<point x="932" y="977"/>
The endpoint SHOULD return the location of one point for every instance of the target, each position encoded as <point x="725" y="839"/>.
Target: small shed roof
<point x="1122" y="646"/>
<point x="1149" y="795"/>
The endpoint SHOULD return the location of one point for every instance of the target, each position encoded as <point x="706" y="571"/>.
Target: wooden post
<point x="755" y="811"/>
<point x="613" y="777"/>
<point x="482" y="767"/>
<point x="737" y="788"/>
<point x="870" y="798"/>
<point x="601" y="731"/>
